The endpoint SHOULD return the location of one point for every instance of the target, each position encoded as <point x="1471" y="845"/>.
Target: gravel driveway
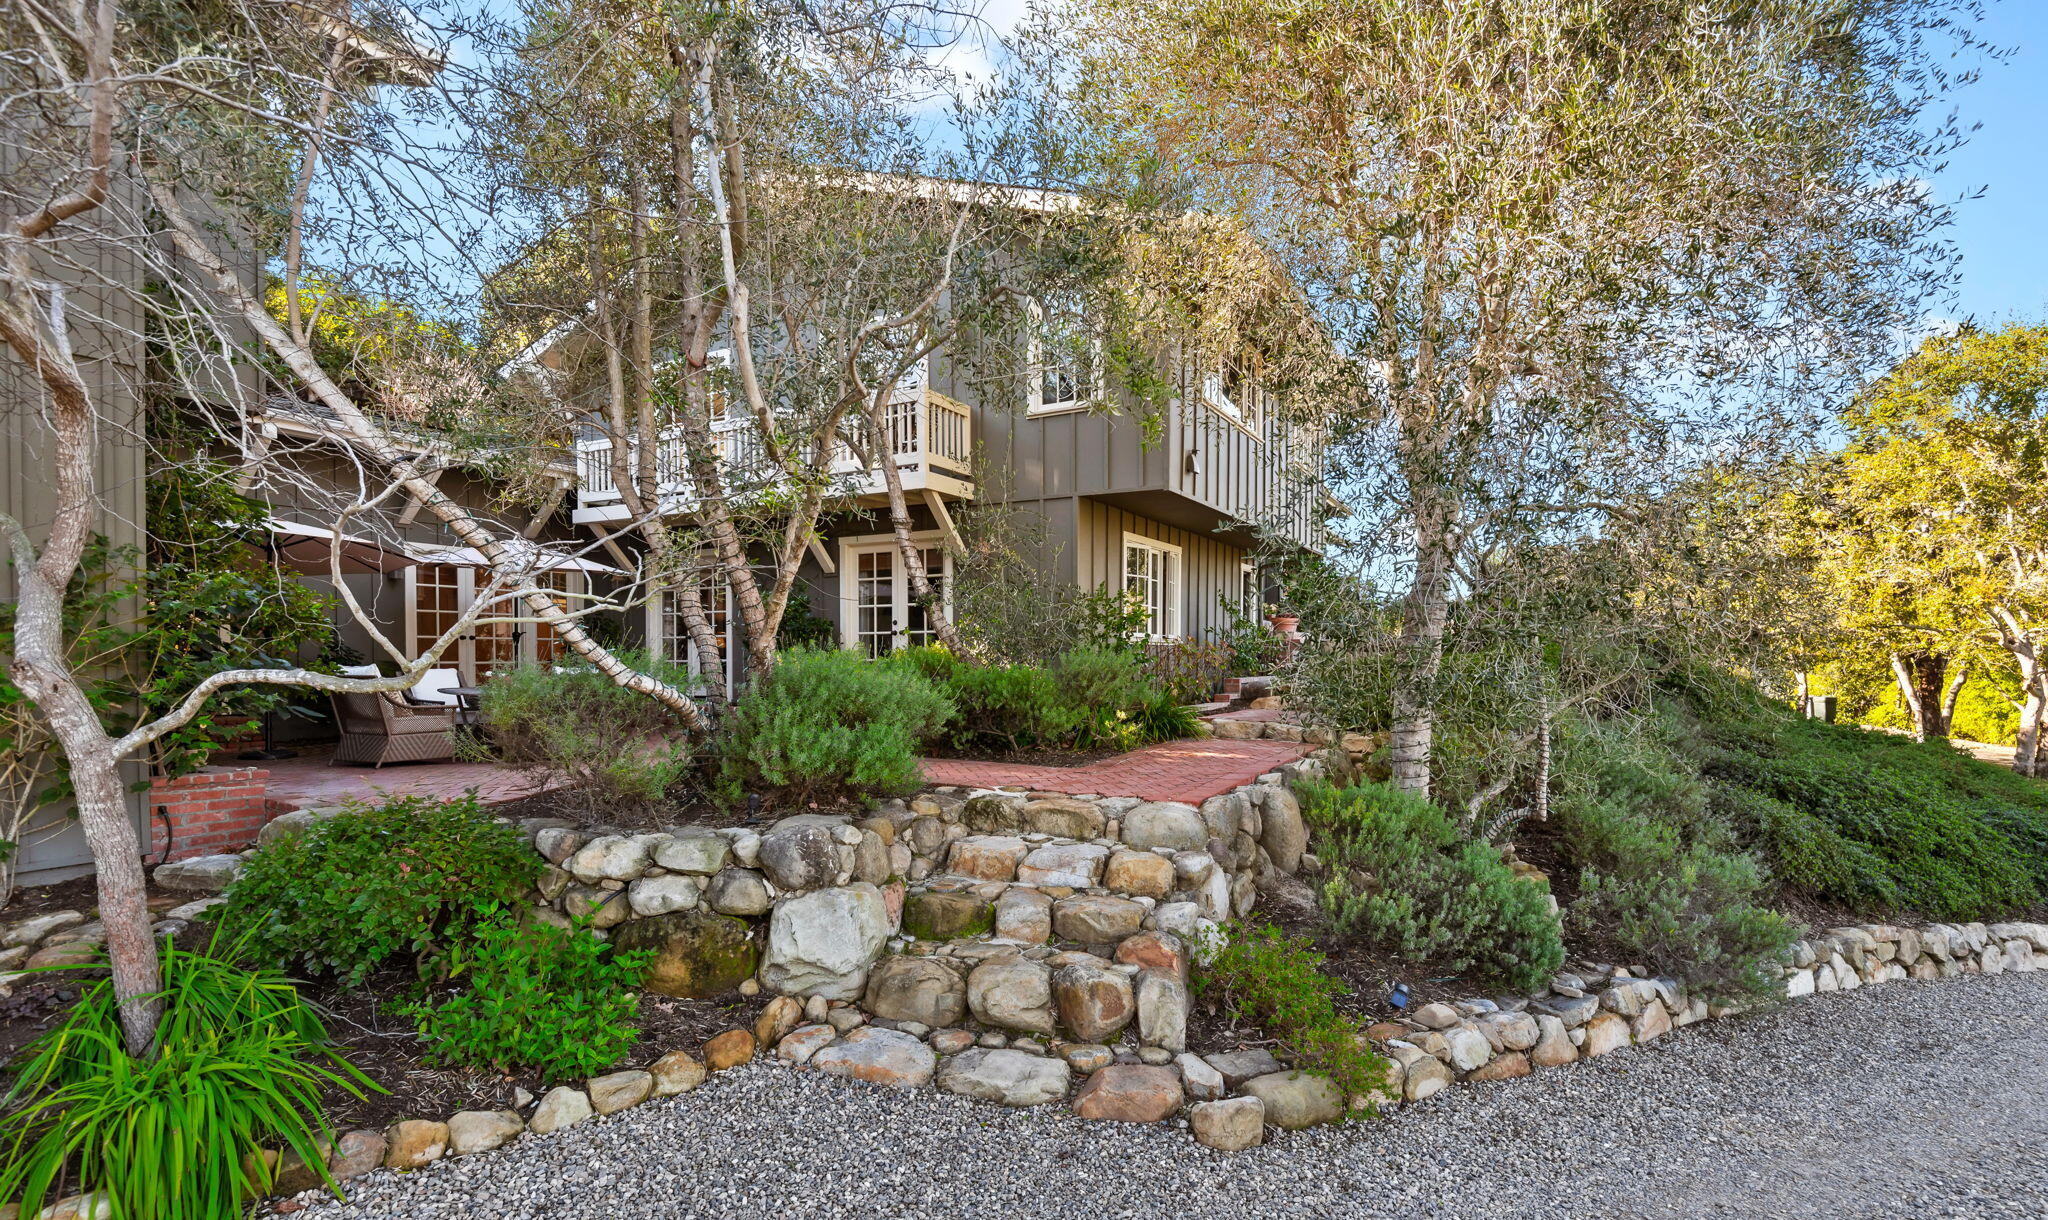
<point x="1919" y="1099"/>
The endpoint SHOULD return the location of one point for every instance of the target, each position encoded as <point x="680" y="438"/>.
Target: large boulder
<point x="696" y="954"/>
<point x="801" y="857"/>
<point x="1162" y="1010"/>
<point x="986" y="857"/>
<point x="473" y="1131"/>
<point x="1012" y="993"/>
<point x="700" y="852"/>
<point x="1224" y="815"/>
<point x="919" y="989"/>
<point x="1281" y="831"/>
<point x="1094" y="1003"/>
<point x="1072" y="864"/>
<point x="1130" y="1093"/>
<point x="199" y="875"/>
<point x="613" y="858"/>
<point x="1168" y="824"/>
<point x="822" y="943"/>
<point x="1139" y="873"/>
<point x="1297" y="1099"/>
<point x="878" y="1056"/>
<point x="1010" y="1078"/>
<point x="932" y="915"/>
<point x="661" y="895"/>
<point x="1228" y="1126"/>
<point x="1024" y="915"/>
<point x="739" y="891"/>
<point x="1096" y="919"/>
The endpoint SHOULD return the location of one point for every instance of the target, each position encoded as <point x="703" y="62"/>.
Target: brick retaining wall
<point x="206" y="813"/>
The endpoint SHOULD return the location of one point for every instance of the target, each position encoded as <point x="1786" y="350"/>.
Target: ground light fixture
<point x="1398" y="997"/>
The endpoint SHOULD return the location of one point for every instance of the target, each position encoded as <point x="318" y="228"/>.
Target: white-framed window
<point x="1248" y="600"/>
<point x="879" y="613"/>
<point x="1063" y="357"/>
<point x="438" y="594"/>
<point x="714" y="673"/>
<point x="1230" y="386"/>
<point x="1152" y="580"/>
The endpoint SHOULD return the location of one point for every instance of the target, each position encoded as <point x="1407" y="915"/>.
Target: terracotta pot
<point x="1285" y="623"/>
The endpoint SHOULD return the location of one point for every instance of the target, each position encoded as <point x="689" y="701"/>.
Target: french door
<point x="880" y="613"/>
<point x="439" y="593"/>
<point x="715" y="673"/>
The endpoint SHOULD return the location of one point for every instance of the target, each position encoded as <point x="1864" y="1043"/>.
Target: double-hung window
<point x="1231" y="387"/>
<point x="1152" y="582"/>
<point x="1063" y="353"/>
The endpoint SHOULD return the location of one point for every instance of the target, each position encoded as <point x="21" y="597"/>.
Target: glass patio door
<point x="884" y="614"/>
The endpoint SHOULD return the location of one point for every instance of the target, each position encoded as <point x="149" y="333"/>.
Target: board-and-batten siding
<point x="1211" y="569"/>
<point x="106" y="325"/>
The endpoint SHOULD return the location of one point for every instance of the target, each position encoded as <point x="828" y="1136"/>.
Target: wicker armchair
<point x="376" y="730"/>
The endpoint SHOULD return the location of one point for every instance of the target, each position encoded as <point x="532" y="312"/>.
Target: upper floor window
<point x="1231" y="386"/>
<point x="1063" y="353"/>
<point x="1152" y="581"/>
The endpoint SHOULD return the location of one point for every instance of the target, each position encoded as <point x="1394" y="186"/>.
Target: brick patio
<point x="308" y="780"/>
<point x="1190" y="771"/>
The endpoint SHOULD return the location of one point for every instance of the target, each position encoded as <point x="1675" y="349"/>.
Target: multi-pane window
<point x="917" y="624"/>
<point x="1232" y="387"/>
<point x="442" y="591"/>
<point x="1248" y="592"/>
<point x="882" y="610"/>
<point x="875" y="602"/>
<point x="714" y="672"/>
<point x="1152" y="581"/>
<point x="1064" y="352"/>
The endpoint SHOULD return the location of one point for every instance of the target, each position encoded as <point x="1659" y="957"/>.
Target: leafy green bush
<point x="532" y="995"/>
<point x="240" y="1065"/>
<point x="344" y="895"/>
<point x="608" y="747"/>
<point x="1404" y="876"/>
<point x="827" y="723"/>
<point x="1662" y="875"/>
<point x="1012" y="707"/>
<point x="1868" y="818"/>
<point x="1278" y="983"/>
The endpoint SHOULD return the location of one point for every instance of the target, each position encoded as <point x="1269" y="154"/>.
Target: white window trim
<point x="852" y="547"/>
<point x="1172" y="611"/>
<point x="657" y="635"/>
<point x="1211" y="393"/>
<point x="461" y="654"/>
<point x="1034" y="366"/>
<point x="1247" y="582"/>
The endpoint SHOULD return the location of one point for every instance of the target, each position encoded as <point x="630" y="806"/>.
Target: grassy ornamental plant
<point x="346" y="894"/>
<point x="1277" y="982"/>
<point x="531" y="995"/>
<point x="587" y="736"/>
<point x="1404" y="876"/>
<point x="239" y="1066"/>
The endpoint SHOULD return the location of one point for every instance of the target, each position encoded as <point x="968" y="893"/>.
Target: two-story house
<point x="1169" y="505"/>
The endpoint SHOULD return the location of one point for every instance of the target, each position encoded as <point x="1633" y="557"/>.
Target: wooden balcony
<point x="930" y="439"/>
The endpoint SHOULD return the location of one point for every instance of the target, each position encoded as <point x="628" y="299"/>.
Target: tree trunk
<point x="1424" y="614"/>
<point x="1919" y="675"/>
<point x="2030" y="756"/>
<point x="40" y="668"/>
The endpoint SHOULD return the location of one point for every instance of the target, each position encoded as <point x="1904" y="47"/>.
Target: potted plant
<point x="1283" y="617"/>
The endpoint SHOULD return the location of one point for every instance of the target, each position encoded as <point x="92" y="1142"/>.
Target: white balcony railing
<point x="927" y="434"/>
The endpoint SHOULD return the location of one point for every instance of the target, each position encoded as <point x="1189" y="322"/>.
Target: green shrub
<point x="240" y="1065"/>
<point x="1165" y="718"/>
<point x="1866" y="818"/>
<point x="1662" y="876"/>
<point x="531" y="995"/>
<point x="1013" y="707"/>
<point x="830" y="723"/>
<point x="346" y="894"/>
<point x="1278" y="983"/>
<point x="610" y="748"/>
<point x="1405" y="877"/>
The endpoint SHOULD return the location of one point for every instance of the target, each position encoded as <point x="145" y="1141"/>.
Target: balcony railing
<point x="928" y="434"/>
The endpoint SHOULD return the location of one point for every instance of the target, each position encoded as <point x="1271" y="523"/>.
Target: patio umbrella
<point x="306" y="549"/>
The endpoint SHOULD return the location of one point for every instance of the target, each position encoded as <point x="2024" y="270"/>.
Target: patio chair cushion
<point x="432" y="687"/>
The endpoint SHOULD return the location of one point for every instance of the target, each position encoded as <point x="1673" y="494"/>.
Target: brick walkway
<point x="308" y="780"/>
<point x="1190" y="771"/>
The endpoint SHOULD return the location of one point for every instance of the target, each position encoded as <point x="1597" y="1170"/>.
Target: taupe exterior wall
<point x="1211" y="568"/>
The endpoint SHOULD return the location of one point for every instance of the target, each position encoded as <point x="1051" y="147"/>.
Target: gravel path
<point x="1920" y="1099"/>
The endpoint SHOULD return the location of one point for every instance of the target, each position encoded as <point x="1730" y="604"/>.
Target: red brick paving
<point x="308" y="780"/>
<point x="1190" y="771"/>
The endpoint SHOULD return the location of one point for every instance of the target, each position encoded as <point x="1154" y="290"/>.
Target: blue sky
<point x="2003" y="236"/>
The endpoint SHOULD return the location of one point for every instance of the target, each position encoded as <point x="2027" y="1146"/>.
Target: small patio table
<point x="469" y="704"/>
